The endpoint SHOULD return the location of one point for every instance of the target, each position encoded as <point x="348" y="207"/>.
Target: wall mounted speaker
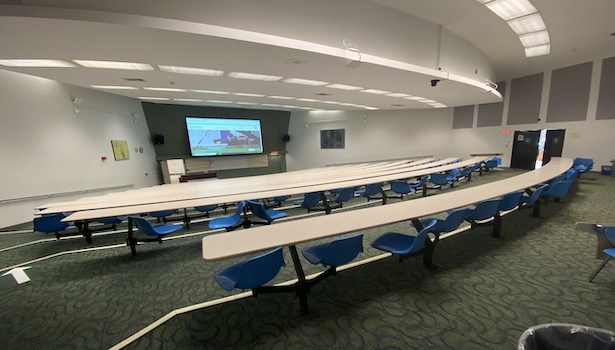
<point x="285" y="137"/>
<point x="158" y="139"/>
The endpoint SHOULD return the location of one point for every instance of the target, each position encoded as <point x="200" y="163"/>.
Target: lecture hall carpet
<point x="484" y="294"/>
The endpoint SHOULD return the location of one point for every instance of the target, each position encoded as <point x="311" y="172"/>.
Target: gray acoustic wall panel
<point x="525" y="96"/>
<point x="463" y="117"/>
<point x="490" y="114"/>
<point x="606" y="98"/>
<point x="569" y="96"/>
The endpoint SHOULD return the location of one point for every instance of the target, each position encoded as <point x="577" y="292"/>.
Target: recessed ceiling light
<point x="307" y="100"/>
<point x="247" y="94"/>
<point x="251" y="76"/>
<point x="415" y="98"/>
<point x="370" y="108"/>
<point x="537" y="50"/>
<point x="305" y="82"/>
<point x="114" y="65"/>
<point x="211" y="92"/>
<point x="281" y="97"/>
<point x="535" y="39"/>
<point x="245" y="103"/>
<point x="218" y="101"/>
<point x="164" y="89"/>
<point x="187" y="100"/>
<point x="331" y="102"/>
<point x="114" y="87"/>
<point x="527" y="24"/>
<point x="153" y="98"/>
<point x="36" y="63"/>
<point x="343" y="87"/>
<point x="398" y="94"/>
<point x="288" y="106"/>
<point x="271" y="105"/>
<point x="375" y="91"/>
<point x="191" y="70"/>
<point x="509" y="9"/>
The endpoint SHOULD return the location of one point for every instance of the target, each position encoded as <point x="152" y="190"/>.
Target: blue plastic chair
<point x="162" y="214"/>
<point x="557" y="190"/>
<point x="229" y="222"/>
<point x="491" y="164"/>
<point x="452" y="221"/>
<point x="609" y="233"/>
<point x="510" y="201"/>
<point x="154" y="231"/>
<point x="439" y="180"/>
<point x="421" y="184"/>
<point x="372" y="190"/>
<point x="485" y="210"/>
<point x="206" y="209"/>
<point x="275" y="201"/>
<point x="50" y="223"/>
<point x="405" y="246"/>
<point x="252" y="273"/>
<point x="335" y="253"/>
<point x="344" y="195"/>
<point x="582" y="165"/>
<point x="401" y="187"/>
<point x="269" y="215"/>
<point x="310" y="200"/>
<point x="452" y="176"/>
<point x="533" y="199"/>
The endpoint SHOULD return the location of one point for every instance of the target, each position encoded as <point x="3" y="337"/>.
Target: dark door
<point x="525" y="149"/>
<point x="553" y="144"/>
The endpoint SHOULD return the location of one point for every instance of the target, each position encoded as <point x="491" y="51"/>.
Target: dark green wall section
<point x="169" y="121"/>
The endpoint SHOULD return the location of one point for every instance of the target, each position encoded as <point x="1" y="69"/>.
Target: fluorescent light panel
<point x="528" y="24"/>
<point x="376" y="91"/>
<point x="247" y="94"/>
<point x="211" y="92"/>
<point x="36" y="63"/>
<point x="114" y="65"/>
<point x="187" y="100"/>
<point x="114" y="87"/>
<point x="398" y="94"/>
<point x="343" y="87"/>
<point x="252" y="76"/>
<point x="281" y="97"/>
<point x="153" y="98"/>
<point x="218" y="101"/>
<point x="305" y="82"/>
<point x="509" y="9"/>
<point x="535" y="39"/>
<point x="537" y="50"/>
<point x="191" y="70"/>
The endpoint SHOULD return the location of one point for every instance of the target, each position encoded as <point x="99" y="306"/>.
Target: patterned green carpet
<point x="484" y="294"/>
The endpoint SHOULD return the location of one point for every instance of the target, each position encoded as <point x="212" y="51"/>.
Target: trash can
<point x="563" y="336"/>
<point x="606" y="170"/>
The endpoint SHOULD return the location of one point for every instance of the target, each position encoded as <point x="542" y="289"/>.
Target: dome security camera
<point x="435" y="82"/>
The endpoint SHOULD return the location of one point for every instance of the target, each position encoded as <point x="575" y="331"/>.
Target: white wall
<point x="46" y="149"/>
<point x="406" y="133"/>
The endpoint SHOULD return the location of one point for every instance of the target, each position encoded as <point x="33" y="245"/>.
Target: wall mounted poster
<point x="332" y="138"/>
<point x="120" y="149"/>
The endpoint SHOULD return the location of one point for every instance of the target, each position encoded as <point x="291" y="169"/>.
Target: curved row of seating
<point x="344" y="250"/>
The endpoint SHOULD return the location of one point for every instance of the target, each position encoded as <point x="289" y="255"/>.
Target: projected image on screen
<point x="219" y="137"/>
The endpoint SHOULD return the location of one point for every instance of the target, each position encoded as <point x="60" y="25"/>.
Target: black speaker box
<point x="285" y="137"/>
<point x="158" y="139"/>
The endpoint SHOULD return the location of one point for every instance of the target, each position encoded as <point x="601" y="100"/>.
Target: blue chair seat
<point x="406" y="246"/>
<point x="229" y="222"/>
<point x="251" y="273"/>
<point x="451" y="223"/>
<point x="269" y="215"/>
<point x="335" y="253"/>
<point x="146" y="228"/>
<point x="609" y="234"/>
<point x="50" y="223"/>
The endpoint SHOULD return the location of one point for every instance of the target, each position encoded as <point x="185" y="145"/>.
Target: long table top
<point x="264" y="192"/>
<point x="221" y="188"/>
<point x="240" y="242"/>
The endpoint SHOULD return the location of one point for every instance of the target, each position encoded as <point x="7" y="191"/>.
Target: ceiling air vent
<point x="322" y="94"/>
